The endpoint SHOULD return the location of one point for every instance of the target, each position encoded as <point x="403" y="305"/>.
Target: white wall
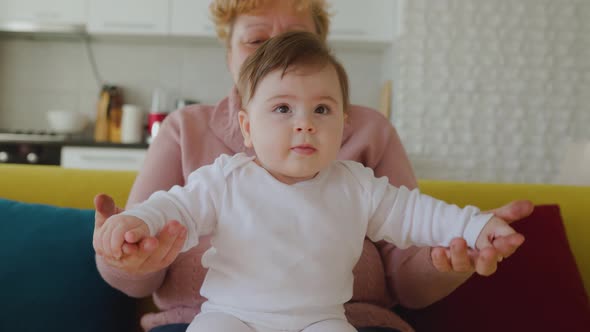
<point x="492" y="90"/>
<point x="46" y="73"/>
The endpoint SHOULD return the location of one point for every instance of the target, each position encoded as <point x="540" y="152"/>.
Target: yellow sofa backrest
<point x="62" y="186"/>
<point x="76" y="188"/>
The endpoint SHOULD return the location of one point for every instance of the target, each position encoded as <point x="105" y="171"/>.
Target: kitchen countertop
<point x="87" y="140"/>
<point x="45" y="138"/>
<point x="95" y="144"/>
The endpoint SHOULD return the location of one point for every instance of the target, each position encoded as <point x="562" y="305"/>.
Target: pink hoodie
<point x="196" y="135"/>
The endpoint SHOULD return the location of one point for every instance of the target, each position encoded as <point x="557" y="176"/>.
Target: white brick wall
<point x="492" y="90"/>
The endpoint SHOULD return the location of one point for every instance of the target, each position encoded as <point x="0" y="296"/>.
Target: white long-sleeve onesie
<point x="280" y="249"/>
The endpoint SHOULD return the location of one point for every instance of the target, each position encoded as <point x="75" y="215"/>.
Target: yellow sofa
<point x="76" y="188"/>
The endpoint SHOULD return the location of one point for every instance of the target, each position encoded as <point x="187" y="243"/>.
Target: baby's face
<point x="295" y="123"/>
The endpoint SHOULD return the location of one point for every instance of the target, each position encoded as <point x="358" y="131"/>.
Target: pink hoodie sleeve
<point x="411" y="277"/>
<point x="161" y="170"/>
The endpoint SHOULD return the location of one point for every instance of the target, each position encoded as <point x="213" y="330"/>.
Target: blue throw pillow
<point x="48" y="275"/>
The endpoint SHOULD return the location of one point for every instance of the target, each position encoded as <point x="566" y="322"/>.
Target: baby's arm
<point x="192" y="205"/>
<point x="119" y="229"/>
<point x="407" y="217"/>
<point x="189" y="205"/>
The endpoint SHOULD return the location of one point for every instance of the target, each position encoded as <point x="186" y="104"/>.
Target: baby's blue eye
<point x="322" y="110"/>
<point x="282" y="109"/>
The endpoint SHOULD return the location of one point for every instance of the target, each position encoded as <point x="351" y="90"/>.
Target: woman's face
<point x="252" y="29"/>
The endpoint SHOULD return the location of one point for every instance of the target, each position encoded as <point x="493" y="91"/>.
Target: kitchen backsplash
<point x="492" y="90"/>
<point x="42" y="74"/>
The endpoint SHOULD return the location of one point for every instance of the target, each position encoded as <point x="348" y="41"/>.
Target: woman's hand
<point x="150" y="254"/>
<point x="459" y="258"/>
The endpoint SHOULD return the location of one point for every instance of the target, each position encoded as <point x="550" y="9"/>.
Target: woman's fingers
<point x="152" y="253"/>
<point x="486" y="262"/>
<point x="507" y="245"/>
<point x="175" y="248"/>
<point x="460" y="260"/>
<point x="457" y="258"/>
<point x="149" y="254"/>
<point x="168" y="245"/>
<point x="135" y="256"/>
<point x="97" y="243"/>
<point x="100" y="216"/>
<point x="440" y="260"/>
<point x="104" y="208"/>
<point x="149" y="244"/>
<point x="514" y="210"/>
<point x="107" y="230"/>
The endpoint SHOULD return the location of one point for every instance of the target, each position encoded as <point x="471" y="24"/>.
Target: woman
<point x="196" y="135"/>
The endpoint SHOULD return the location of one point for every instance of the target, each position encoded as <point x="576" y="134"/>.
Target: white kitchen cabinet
<point x="191" y="18"/>
<point x="129" y="17"/>
<point x="353" y="20"/>
<point x="42" y="12"/>
<point x="105" y="158"/>
<point x="366" y="20"/>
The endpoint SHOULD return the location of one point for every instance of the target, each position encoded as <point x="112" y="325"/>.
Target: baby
<point x="288" y="222"/>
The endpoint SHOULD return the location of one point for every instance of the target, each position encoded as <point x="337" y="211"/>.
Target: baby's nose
<point x="308" y="129"/>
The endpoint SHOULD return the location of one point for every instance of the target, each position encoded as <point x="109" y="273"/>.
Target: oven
<point x="33" y="148"/>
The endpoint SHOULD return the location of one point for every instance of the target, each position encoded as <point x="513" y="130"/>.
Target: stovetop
<point x="40" y="137"/>
<point x="31" y="136"/>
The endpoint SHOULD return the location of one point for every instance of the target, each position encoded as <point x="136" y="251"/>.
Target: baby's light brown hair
<point x="288" y="51"/>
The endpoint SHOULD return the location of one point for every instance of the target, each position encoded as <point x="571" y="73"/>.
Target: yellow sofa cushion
<point x="574" y="203"/>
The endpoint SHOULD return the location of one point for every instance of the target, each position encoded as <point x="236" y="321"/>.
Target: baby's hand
<point x="499" y="235"/>
<point x="119" y="229"/>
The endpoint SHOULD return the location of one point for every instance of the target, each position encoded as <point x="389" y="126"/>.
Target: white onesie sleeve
<point x="192" y="205"/>
<point x="407" y="217"/>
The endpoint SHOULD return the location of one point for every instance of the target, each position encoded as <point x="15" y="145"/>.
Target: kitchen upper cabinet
<point x="191" y="18"/>
<point x="42" y="12"/>
<point x="366" y="20"/>
<point x="135" y="17"/>
<point x="371" y="21"/>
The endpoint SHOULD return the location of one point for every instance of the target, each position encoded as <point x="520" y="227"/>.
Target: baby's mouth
<point x="304" y="149"/>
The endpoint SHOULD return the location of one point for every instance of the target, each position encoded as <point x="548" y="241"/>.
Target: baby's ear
<point x="244" y="121"/>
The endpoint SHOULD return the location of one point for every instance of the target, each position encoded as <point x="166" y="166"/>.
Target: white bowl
<point x="66" y="122"/>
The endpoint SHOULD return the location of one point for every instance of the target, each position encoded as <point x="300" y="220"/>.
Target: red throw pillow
<point x="539" y="288"/>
